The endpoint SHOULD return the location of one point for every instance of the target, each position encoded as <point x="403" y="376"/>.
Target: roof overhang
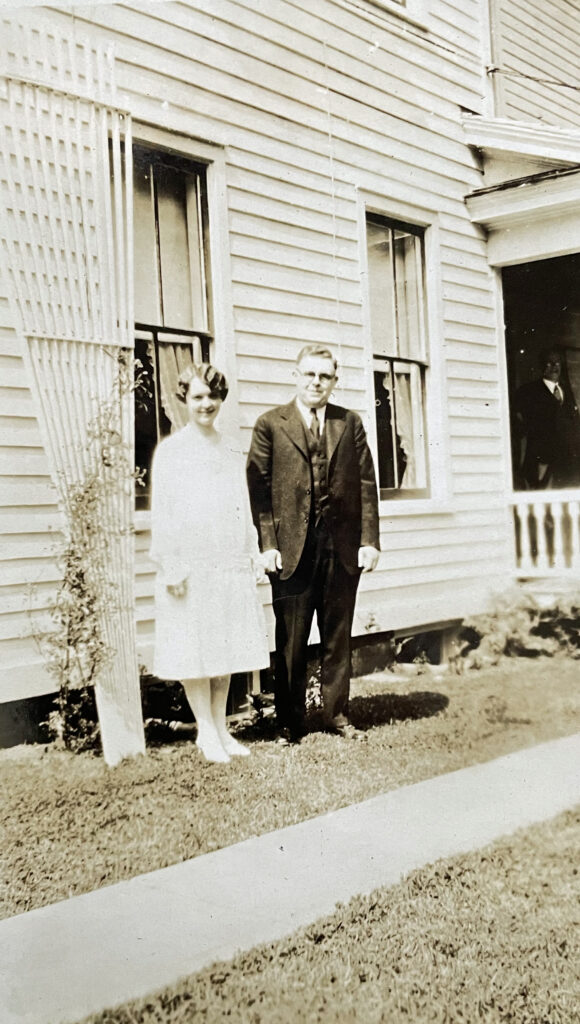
<point x="532" y="139"/>
<point x="533" y="215"/>
<point x="537" y="197"/>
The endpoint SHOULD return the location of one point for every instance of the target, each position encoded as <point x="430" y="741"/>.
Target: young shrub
<point x="78" y="648"/>
<point x="511" y="629"/>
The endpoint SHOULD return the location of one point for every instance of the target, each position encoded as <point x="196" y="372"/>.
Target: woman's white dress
<point x="202" y="531"/>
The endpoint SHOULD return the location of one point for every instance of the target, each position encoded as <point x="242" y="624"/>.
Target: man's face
<point x="553" y="367"/>
<point x="315" y="379"/>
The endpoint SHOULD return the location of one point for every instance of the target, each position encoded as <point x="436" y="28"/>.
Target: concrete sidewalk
<point x="62" y="962"/>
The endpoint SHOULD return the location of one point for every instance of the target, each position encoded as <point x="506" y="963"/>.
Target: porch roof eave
<point x="546" y="195"/>
<point x="523" y="138"/>
<point x="550" y="189"/>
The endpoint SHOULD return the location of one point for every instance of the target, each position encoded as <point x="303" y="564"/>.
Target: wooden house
<point x="235" y="179"/>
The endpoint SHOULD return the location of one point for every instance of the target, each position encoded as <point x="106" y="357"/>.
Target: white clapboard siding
<point x="38" y="519"/>
<point x="421" y="58"/>
<point x="20" y="432"/>
<point x="314" y="104"/>
<point x="28" y="545"/>
<point x="293" y="258"/>
<point x="29" y="523"/>
<point x="448" y="571"/>
<point x="417" y="604"/>
<point x="473" y="354"/>
<point x="404" y="562"/>
<point x="12" y="628"/>
<point x="295" y="36"/>
<point x="539" y="39"/>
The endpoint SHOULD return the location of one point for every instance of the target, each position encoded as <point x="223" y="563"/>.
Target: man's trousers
<point x="320" y="584"/>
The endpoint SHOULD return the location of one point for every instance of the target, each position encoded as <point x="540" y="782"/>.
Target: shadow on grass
<point x="387" y="708"/>
<point x="364" y="713"/>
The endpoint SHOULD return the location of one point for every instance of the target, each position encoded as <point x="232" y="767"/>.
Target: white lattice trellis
<point x="66" y="235"/>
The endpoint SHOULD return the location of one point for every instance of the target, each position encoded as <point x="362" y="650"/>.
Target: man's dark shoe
<point x="347" y="731"/>
<point x="289" y="737"/>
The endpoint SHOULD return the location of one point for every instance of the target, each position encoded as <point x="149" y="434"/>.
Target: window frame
<point x="220" y="286"/>
<point x="416" y="12"/>
<point x="439" y="489"/>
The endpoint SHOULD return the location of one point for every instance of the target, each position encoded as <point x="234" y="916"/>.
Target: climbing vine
<point x="77" y="648"/>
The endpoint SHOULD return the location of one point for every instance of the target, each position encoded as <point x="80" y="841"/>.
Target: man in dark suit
<point x="314" y="502"/>
<point x="547" y="429"/>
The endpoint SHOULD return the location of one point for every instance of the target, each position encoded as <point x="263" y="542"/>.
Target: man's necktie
<point x="558" y="395"/>
<point x="314" y="424"/>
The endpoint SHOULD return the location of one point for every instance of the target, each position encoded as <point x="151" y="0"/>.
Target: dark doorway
<point x="542" y="315"/>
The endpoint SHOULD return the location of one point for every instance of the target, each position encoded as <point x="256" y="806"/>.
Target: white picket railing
<point x="546" y="532"/>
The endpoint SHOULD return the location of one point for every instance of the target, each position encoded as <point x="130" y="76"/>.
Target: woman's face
<point x="201" y="406"/>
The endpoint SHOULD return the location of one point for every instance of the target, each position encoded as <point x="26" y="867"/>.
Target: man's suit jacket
<point x="280" y="484"/>
<point x="551" y="431"/>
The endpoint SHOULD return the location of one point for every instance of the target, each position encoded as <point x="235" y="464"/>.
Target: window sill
<point x="388" y="509"/>
<point x="415" y="14"/>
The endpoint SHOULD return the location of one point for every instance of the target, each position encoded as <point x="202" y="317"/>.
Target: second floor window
<point x="172" y="292"/>
<point x="396" y="266"/>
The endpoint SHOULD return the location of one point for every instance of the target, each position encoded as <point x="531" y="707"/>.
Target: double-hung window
<point x="396" y="270"/>
<point x="172" y="293"/>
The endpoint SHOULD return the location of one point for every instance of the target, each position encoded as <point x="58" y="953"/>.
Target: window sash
<point x="160" y="356"/>
<point x="400" y="418"/>
<point x="396" y="260"/>
<point x="171" y="252"/>
<point x="396" y="275"/>
<point x="172" y="297"/>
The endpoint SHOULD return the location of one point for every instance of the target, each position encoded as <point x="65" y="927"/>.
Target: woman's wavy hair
<point x="207" y="374"/>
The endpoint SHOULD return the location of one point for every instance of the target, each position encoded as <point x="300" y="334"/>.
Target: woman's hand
<point x="177" y="589"/>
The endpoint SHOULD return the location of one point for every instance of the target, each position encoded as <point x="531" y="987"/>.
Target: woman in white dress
<point x="208" y="619"/>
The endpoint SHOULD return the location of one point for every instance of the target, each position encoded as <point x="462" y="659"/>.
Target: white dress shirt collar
<point x="552" y="385"/>
<point x="306" y="413"/>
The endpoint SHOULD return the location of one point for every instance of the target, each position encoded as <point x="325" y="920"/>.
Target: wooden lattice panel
<point x="64" y="181"/>
<point x="66" y="245"/>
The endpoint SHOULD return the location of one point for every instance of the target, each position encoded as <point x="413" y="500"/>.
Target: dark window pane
<point x="391" y="457"/>
<point x="151" y="423"/>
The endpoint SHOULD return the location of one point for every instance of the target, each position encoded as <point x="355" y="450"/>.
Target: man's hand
<point x="367" y="558"/>
<point x="272" y="560"/>
<point x="177" y="589"/>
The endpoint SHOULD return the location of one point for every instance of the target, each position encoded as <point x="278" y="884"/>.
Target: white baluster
<point x="539" y="510"/>
<point x="526" y="561"/>
<point x="574" y="509"/>
<point x="557" y="514"/>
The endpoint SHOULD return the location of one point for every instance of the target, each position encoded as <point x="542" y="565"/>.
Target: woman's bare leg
<point x="219" y="696"/>
<point x="199" y="695"/>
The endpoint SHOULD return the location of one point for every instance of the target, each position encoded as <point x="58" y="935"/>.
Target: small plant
<point x="371" y="624"/>
<point x="421" y="661"/>
<point x="313" y="686"/>
<point x="518" y="627"/>
<point x="76" y="650"/>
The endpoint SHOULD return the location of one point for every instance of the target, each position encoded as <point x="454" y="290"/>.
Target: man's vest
<point x="319" y="467"/>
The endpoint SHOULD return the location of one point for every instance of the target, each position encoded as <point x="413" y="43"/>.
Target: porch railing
<point x="546" y="532"/>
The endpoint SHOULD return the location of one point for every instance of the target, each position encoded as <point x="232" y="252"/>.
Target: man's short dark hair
<point x="207" y="374"/>
<point x="317" y="350"/>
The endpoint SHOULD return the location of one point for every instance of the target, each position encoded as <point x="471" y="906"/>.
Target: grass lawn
<point x="71" y="825"/>
<point x="490" y="936"/>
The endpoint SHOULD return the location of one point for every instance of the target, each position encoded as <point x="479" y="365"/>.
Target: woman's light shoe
<point x="213" y="751"/>
<point x="233" y="746"/>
